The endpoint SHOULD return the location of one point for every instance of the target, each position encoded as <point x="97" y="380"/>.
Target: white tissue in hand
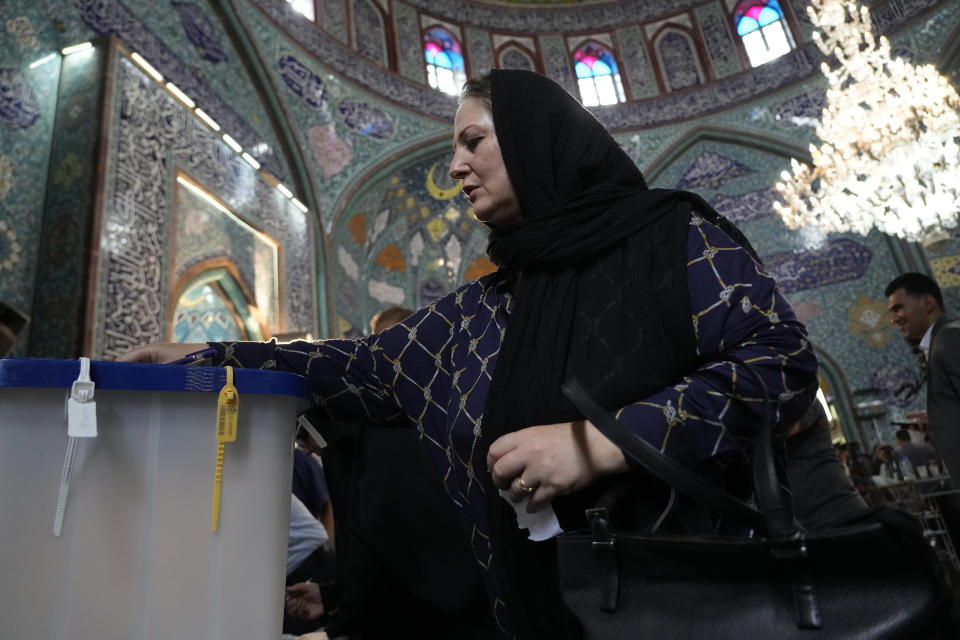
<point x="542" y="525"/>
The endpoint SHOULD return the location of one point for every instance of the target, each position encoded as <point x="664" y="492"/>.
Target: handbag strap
<point x="774" y="514"/>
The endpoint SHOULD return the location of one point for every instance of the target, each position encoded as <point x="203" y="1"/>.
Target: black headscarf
<point x="598" y="270"/>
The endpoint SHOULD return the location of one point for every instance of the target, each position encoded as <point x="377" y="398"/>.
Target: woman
<point x="882" y="457"/>
<point x="601" y="280"/>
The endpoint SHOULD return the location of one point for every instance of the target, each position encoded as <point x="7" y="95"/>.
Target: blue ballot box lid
<point x="52" y="373"/>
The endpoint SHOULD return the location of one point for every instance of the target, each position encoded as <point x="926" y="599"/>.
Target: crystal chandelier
<point x="889" y="156"/>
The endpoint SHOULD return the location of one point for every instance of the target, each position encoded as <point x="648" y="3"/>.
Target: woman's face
<point x="478" y="162"/>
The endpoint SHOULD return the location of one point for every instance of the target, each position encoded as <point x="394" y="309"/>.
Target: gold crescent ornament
<point x="437" y="192"/>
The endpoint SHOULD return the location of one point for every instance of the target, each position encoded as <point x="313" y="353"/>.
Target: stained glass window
<point x="597" y="75"/>
<point x="304" y="8"/>
<point x="444" y="61"/>
<point x="763" y="30"/>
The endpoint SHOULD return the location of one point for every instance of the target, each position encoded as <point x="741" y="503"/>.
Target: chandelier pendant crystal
<point x="889" y="156"/>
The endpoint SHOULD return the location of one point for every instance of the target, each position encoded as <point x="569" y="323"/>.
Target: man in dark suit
<point x="916" y="308"/>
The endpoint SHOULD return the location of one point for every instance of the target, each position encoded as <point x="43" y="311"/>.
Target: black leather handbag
<point x="873" y="578"/>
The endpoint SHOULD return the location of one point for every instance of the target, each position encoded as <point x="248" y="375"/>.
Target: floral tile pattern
<point x="167" y="54"/>
<point x="870" y="321"/>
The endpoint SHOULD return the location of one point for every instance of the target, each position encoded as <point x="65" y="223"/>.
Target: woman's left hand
<point x="552" y="460"/>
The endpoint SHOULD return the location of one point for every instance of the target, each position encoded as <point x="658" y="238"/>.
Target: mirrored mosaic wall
<point x="407" y="240"/>
<point x="152" y="232"/>
<point x="678" y="58"/>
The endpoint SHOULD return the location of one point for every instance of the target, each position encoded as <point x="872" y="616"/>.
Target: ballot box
<point x="111" y="536"/>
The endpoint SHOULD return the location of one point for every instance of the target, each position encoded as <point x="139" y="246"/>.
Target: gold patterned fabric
<point x="433" y="370"/>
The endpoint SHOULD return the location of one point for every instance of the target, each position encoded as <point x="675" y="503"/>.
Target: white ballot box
<point x="136" y="557"/>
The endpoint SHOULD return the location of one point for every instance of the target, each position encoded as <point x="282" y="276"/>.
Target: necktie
<point x="922" y="362"/>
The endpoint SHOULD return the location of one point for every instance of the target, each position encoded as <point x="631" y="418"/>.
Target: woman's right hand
<point x="159" y="352"/>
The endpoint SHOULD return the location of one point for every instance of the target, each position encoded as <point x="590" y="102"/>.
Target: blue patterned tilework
<point x="334" y="18"/>
<point x="842" y="259"/>
<point x="803" y="109"/>
<point x="898" y="384"/>
<point x="515" y="58"/>
<point x="112" y="16"/>
<point x="200" y="31"/>
<point x="149" y="129"/>
<point x="27" y="107"/>
<point x="418" y="210"/>
<point x="558" y="19"/>
<point x="726" y="92"/>
<point x="18" y="104"/>
<point x="410" y="91"/>
<point x="345" y="132"/>
<point x="710" y="170"/>
<point x="201" y="232"/>
<point x="478" y="47"/>
<point x="678" y="60"/>
<point x="302" y="81"/>
<point x="369" y="33"/>
<point x="636" y="63"/>
<point x="783" y="71"/>
<point x="201" y="315"/>
<point x="410" y="51"/>
<point x="556" y="62"/>
<point x="64" y="250"/>
<point x="718" y="40"/>
<point x="746" y="206"/>
<point x="366" y="119"/>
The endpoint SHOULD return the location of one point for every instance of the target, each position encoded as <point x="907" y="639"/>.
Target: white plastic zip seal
<point x="81" y="409"/>
<point x="81" y="423"/>
<point x="304" y="422"/>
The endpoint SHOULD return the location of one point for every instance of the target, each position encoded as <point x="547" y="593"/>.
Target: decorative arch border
<point x="361" y="189"/>
<point x="727" y="92"/>
<point x="354" y="193"/>
<point x="428" y="22"/>
<point x="222" y="272"/>
<point x="389" y="52"/>
<point x="359" y="186"/>
<point x="700" y="56"/>
<point x="534" y="56"/>
<point x="726" y="136"/>
<point x="574" y="43"/>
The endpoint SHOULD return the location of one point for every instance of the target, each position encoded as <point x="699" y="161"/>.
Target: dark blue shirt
<point x="433" y="371"/>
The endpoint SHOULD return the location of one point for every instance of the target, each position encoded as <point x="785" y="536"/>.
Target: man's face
<point x="912" y="314"/>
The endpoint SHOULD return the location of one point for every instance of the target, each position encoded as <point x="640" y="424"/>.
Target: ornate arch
<point x="223" y="278"/>
<point x="679" y="58"/>
<point x="782" y="148"/>
<point x="369" y="32"/>
<point x="598" y="72"/>
<point x="514" y="49"/>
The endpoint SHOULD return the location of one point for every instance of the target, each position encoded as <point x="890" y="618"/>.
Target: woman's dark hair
<point x="479" y="89"/>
